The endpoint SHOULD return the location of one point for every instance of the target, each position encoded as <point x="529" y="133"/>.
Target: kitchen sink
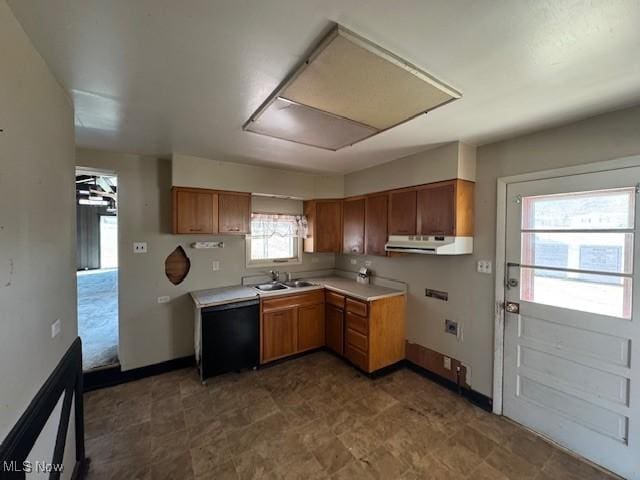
<point x="270" y="287"/>
<point x="299" y="284"/>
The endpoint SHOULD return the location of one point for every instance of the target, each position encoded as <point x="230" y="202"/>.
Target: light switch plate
<point x="215" y="265"/>
<point x="484" y="266"/>
<point x="56" y="328"/>
<point x="139" y="247"/>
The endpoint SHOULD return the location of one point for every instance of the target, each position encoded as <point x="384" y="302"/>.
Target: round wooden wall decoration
<point x="177" y="266"/>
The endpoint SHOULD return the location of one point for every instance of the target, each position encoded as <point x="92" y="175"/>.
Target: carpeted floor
<point x="98" y="317"/>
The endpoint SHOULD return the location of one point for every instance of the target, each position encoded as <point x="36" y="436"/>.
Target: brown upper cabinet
<point x="195" y="211"/>
<point x="234" y="211"/>
<point x="353" y="226"/>
<point x="402" y="212"/>
<point x="324" y="218"/>
<point x="446" y="208"/>
<point x="202" y="211"/>
<point x="375" y="224"/>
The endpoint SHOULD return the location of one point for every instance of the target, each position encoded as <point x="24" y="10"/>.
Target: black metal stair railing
<point x="66" y="380"/>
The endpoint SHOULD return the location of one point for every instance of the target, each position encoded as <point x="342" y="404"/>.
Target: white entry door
<point x="572" y="314"/>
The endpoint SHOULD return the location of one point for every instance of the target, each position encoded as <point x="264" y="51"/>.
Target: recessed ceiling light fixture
<point x="347" y="90"/>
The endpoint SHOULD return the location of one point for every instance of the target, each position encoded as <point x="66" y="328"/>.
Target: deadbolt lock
<point x="512" y="282"/>
<point x="512" y="307"/>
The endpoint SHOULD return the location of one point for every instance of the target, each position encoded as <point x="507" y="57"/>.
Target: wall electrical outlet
<point x="164" y="299"/>
<point x="368" y="263"/>
<point x="484" y="266"/>
<point x="353" y="261"/>
<point x="215" y="265"/>
<point x="139" y="247"/>
<point x="451" y="327"/>
<point x="447" y="363"/>
<point x="56" y="328"/>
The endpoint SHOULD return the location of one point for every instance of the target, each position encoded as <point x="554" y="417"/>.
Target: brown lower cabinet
<point x="374" y="335"/>
<point x="311" y="327"/>
<point x="279" y="334"/>
<point x="335" y="328"/>
<point x="291" y="324"/>
<point x="371" y="335"/>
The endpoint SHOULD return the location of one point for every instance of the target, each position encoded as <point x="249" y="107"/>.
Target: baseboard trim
<point x="282" y="360"/>
<point x="109" y="377"/>
<point x="477" y="398"/>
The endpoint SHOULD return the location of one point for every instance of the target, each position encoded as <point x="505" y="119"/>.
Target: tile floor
<point x="310" y="418"/>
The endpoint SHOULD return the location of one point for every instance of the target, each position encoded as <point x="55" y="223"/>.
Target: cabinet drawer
<point x="357" y="357"/>
<point x="356" y="339"/>
<point x="358" y="323"/>
<point x="289" y="301"/>
<point x="335" y="299"/>
<point x="357" y="307"/>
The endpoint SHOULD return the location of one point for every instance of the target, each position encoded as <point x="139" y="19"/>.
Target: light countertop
<point x="222" y="295"/>
<point x="345" y="286"/>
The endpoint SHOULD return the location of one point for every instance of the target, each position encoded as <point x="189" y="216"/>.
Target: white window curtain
<point x="271" y="224"/>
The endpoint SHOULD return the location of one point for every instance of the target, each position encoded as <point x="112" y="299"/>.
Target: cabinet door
<point x="436" y="209"/>
<point x="311" y="327"/>
<point x="279" y="334"/>
<point x="328" y="227"/>
<point x="375" y="226"/>
<point x="195" y="211"/>
<point x="335" y="329"/>
<point x="234" y="212"/>
<point x="402" y="212"/>
<point x="353" y="226"/>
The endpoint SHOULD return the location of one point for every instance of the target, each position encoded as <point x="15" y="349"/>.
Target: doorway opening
<point x="97" y="267"/>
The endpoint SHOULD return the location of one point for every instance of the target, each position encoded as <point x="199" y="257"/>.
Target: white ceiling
<point x="163" y="76"/>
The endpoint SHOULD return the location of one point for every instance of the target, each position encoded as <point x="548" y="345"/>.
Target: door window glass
<point x="577" y="250"/>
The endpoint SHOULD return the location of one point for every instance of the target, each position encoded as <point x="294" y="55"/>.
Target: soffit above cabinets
<point x="347" y="90"/>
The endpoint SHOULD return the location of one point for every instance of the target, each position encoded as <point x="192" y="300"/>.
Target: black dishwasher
<point x="230" y="337"/>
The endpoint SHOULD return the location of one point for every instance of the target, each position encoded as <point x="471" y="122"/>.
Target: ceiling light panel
<point x="347" y="90"/>
<point x="301" y="124"/>
<point x="355" y="82"/>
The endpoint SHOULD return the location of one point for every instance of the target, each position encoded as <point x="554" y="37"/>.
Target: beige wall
<point x="453" y="160"/>
<point x="37" y="224"/>
<point x="151" y="332"/>
<point x="471" y="294"/>
<point x="188" y="171"/>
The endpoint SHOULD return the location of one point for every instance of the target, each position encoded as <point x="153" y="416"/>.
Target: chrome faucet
<point x="275" y="275"/>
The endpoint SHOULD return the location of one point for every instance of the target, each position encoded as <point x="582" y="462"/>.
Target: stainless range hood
<point x="430" y="245"/>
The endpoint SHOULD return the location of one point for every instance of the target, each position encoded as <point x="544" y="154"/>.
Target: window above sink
<point x="275" y="239"/>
